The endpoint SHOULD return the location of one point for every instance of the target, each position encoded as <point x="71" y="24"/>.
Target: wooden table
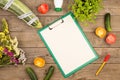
<point x="30" y="42"/>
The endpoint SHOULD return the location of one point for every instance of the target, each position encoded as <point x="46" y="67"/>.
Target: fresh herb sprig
<point x="86" y="10"/>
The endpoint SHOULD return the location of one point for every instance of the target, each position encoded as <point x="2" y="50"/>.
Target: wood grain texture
<point x="22" y="26"/>
<point x="111" y="6"/>
<point x="31" y="53"/>
<point x="19" y="73"/>
<point x="32" y="39"/>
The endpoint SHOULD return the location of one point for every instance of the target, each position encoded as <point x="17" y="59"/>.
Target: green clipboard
<point x="67" y="44"/>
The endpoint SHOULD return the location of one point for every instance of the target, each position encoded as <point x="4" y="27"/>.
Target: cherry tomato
<point x="43" y="8"/>
<point x="111" y="38"/>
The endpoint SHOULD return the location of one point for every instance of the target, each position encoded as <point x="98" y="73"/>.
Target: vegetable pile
<point x="102" y="32"/>
<point x="86" y="10"/>
<point x="33" y="76"/>
<point x="9" y="51"/>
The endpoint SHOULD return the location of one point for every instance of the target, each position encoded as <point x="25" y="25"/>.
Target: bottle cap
<point x="58" y="9"/>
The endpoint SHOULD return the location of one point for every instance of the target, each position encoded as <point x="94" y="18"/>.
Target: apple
<point x="111" y="38"/>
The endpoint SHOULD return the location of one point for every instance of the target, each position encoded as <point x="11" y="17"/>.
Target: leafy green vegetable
<point x="86" y="10"/>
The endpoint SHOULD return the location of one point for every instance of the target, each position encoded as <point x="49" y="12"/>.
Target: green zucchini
<point x="18" y="8"/>
<point x="49" y="73"/>
<point x="31" y="73"/>
<point x="108" y="22"/>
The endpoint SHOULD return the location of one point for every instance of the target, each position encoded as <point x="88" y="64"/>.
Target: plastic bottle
<point x="58" y="5"/>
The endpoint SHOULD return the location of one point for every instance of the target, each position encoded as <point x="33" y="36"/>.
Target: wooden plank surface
<point x="111" y="6"/>
<point x="30" y="42"/>
<point x="21" y="26"/>
<point x="34" y="52"/>
<point x="33" y="38"/>
<point x="18" y="73"/>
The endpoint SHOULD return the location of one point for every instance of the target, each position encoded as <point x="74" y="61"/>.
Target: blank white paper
<point x="68" y="45"/>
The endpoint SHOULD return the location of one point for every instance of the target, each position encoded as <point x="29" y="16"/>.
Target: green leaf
<point x="78" y="10"/>
<point x="86" y="10"/>
<point x="5" y="60"/>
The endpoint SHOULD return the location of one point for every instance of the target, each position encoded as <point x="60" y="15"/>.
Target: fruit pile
<point x="102" y="32"/>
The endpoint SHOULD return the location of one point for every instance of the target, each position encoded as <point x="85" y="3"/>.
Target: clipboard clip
<point x="57" y="24"/>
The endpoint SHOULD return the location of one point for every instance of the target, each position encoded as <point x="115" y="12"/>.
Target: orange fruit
<point x="39" y="62"/>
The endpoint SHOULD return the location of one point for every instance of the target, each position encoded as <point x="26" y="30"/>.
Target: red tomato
<point x="111" y="38"/>
<point x="43" y="8"/>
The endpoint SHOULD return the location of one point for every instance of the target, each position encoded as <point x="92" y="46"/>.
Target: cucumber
<point x="31" y="73"/>
<point x="107" y="22"/>
<point x="49" y="73"/>
<point x="18" y="8"/>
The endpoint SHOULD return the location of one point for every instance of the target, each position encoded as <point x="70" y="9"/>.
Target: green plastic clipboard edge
<point x="80" y="67"/>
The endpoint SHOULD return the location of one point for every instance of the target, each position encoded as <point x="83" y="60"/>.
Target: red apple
<point x="111" y="38"/>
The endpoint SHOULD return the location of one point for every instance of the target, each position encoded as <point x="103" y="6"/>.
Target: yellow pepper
<point x="100" y="32"/>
